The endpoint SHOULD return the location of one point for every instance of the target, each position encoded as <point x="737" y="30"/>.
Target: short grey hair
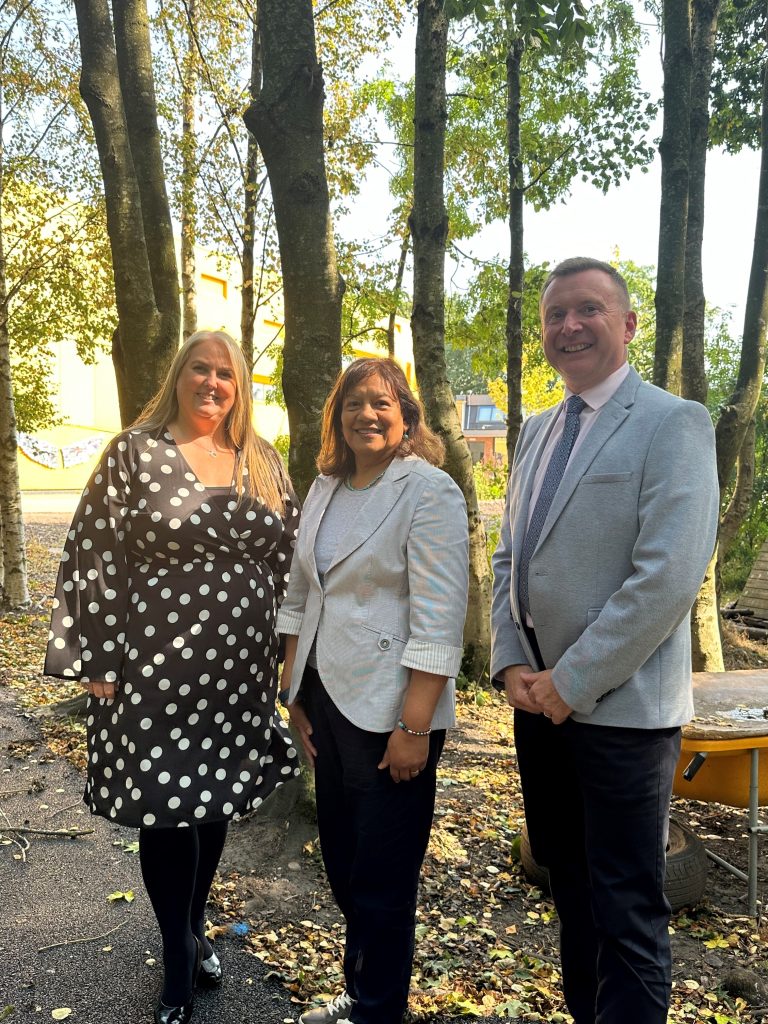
<point x="577" y="265"/>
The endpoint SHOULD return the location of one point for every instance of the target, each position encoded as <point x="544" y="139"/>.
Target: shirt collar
<point x="597" y="396"/>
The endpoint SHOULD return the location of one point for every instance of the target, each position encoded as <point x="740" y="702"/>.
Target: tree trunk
<point x="740" y="408"/>
<point x="13" y="562"/>
<point x="516" y="254"/>
<point x="706" y="646"/>
<point x="741" y="499"/>
<point x="189" y="177"/>
<point x="121" y="104"/>
<point x="287" y="120"/>
<point x="675" y="151"/>
<point x="704" y="27"/>
<point x="248" y="263"/>
<point x="404" y="247"/>
<point x="429" y="230"/>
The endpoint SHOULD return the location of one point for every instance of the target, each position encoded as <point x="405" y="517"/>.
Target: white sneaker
<point x="335" y="1012"/>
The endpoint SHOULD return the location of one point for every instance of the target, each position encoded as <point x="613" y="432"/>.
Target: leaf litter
<point x="486" y="936"/>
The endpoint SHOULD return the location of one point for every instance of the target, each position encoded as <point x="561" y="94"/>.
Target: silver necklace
<point x="209" y="451"/>
<point x="365" y="487"/>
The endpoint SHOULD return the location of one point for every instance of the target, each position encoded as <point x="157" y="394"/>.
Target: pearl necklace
<point x="365" y="487"/>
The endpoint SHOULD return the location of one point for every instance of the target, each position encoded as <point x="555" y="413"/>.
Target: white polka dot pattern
<point x="172" y="590"/>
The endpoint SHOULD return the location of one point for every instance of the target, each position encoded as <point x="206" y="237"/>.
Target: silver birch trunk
<point x="429" y="230"/>
<point x="189" y="178"/>
<point x="13" y="561"/>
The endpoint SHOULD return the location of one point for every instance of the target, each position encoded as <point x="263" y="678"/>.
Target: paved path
<point x="59" y="894"/>
<point x="49" y="506"/>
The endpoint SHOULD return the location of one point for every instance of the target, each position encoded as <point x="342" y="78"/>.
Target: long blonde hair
<point x="266" y="477"/>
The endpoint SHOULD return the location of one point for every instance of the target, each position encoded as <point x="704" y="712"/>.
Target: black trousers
<point x="373" y="836"/>
<point x="597" y="808"/>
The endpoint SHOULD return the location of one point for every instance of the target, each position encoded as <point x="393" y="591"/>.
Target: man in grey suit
<point x="609" y="525"/>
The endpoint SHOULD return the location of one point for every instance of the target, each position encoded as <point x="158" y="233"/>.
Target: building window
<point x="213" y="285"/>
<point x="485" y="417"/>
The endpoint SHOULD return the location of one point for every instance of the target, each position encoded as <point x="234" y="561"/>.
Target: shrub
<point x="490" y="480"/>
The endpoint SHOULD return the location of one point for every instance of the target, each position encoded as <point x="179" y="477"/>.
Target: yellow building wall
<point x="86" y="395"/>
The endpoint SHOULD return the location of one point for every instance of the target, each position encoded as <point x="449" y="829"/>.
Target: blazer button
<point x="384" y="644"/>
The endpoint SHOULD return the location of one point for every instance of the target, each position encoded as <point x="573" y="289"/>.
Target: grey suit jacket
<point x="620" y="559"/>
<point x="393" y="599"/>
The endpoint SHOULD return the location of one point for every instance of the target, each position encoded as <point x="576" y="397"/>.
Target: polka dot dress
<point x="171" y="591"/>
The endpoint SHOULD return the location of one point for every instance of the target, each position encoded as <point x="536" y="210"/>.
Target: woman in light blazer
<point x="373" y="621"/>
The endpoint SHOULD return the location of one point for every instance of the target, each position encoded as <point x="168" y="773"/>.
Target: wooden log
<point x="755" y="620"/>
<point x="753" y="632"/>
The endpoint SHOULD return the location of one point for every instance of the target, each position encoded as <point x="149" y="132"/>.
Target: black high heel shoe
<point x="174" y="1014"/>
<point x="211" y="974"/>
<point x="181" y="1014"/>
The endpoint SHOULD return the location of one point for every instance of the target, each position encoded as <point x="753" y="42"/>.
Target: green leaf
<point x="501" y="953"/>
<point x="129" y="896"/>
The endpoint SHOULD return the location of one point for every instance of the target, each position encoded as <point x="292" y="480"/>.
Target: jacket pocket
<point x="592" y="614"/>
<point x="385" y="640"/>
<point x="607" y="478"/>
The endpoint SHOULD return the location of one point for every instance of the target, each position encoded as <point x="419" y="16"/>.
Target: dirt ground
<point x="487" y="936"/>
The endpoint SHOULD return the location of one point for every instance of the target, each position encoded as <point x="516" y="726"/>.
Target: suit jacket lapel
<point x="612" y="415"/>
<point x="527" y="471"/>
<point x="383" y="498"/>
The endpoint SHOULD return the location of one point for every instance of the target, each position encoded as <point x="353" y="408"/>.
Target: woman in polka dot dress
<point x="165" y="609"/>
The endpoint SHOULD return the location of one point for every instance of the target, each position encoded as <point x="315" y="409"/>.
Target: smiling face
<point x="206" y="387"/>
<point x="372" y="422"/>
<point x="586" y="327"/>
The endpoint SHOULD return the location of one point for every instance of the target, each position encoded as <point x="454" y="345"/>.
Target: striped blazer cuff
<point x="289" y="622"/>
<point x="438" y="658"/>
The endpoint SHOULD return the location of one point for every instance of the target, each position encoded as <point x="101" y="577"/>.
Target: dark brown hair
<point x="336" y="458"/>
<point x="577" y="265"/>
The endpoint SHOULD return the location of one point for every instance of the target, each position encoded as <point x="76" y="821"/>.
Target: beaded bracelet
<point x="412" y="732"/>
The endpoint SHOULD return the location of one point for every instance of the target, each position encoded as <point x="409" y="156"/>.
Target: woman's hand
<point x="303" y="726"/>
<point x="405" y="755"/>
<point x="101" y="689"/>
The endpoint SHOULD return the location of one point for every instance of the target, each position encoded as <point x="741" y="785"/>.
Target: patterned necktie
<point x="552" y="477"/>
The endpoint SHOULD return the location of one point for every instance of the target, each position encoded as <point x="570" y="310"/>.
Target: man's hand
<point x="303" y="726"/>
<point x="405" y="756"/>
<point x="544" y="697"/>
<point x="517" y="690"/>
<point x="98" y="688"/>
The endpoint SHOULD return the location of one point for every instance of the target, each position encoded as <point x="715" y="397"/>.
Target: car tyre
<point x="687" y="866"/>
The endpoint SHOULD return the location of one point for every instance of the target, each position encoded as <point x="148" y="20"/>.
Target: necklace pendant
<point x="213" y="454"/>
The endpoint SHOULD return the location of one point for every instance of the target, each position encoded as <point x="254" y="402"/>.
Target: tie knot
<point x="575" y="405"/>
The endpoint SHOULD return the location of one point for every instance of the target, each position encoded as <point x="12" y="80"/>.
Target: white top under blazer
<point x="394" y="597"/>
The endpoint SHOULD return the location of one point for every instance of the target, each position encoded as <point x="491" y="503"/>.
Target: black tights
<point x="178" y="865"/>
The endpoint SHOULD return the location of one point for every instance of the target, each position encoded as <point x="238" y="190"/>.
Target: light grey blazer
<point x="393" y="599"/>
<point x="620" y="559"/>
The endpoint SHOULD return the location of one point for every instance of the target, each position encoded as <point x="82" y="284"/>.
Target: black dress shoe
<point x="173" y="1014"/>
<point x="181" y="1014"/>
<point x="211" y="974"/>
